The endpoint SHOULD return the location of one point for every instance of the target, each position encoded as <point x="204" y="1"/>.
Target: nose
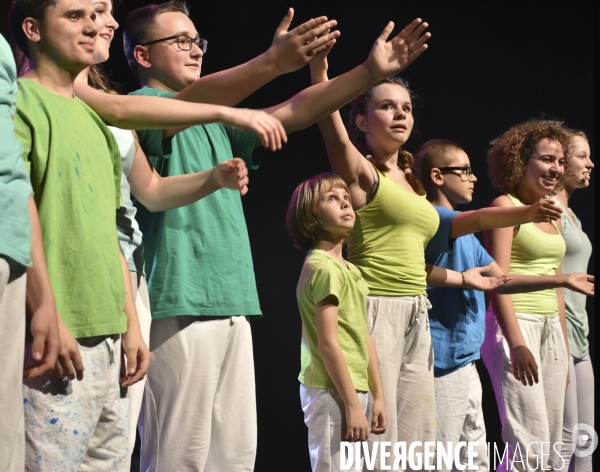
<point x="345" y="203"/>
<point x="196" y="51"/>
<point x="473" y="178"/>
<point x="90" y="27"/>
<point x="589" y="164"/>
<point x="112" y="23"/>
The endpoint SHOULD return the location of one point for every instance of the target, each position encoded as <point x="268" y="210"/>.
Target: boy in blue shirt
<point x="457" y="319"/>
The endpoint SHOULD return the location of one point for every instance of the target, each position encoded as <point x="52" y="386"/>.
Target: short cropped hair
<point x="18" y="11"/>
<point x="510" y="152"/>
<point x="434" y="153"/>
<point x="140" y="23"/>
<point x="302" y="221"/>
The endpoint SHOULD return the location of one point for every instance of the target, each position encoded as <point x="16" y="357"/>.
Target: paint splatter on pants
<point x="83" y="425"/>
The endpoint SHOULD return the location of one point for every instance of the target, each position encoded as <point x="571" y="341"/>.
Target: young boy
<point x="339" y="361"/>
<point x="457" y="319"/>
<point x="200" y="332"/>
<point x="75" y="170"/>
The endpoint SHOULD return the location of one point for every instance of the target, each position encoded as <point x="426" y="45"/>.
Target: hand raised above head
<point x="390" y="57"/>
<point x="293" y="49"/>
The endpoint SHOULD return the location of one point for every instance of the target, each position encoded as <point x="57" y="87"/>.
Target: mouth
<point x="348" y="217"/>
<point x="106" y="36"/>
<point x="401" y="128"/>
<point x="549" y="181"/>
<point x="586" y="175"/>
<point x="88" y="46"/>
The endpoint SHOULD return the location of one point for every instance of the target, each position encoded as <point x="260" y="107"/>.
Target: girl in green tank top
<point x="528" y="332"/>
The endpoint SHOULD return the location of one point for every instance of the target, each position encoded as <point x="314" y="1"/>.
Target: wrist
<point x="464" y="280"/>
<point x="267" y="62"/>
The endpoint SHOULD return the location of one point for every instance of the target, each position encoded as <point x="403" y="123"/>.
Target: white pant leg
<point x="579" y="409"/>
<point x="399" y="327"/>
<point x="530" y="415"/>
<point x="63" y="417"/>
<point x="199" y="402"/>
<point x="323" y="415"/>
<point x="12" y="348"/>
<point x="459" y="415"/>
<point x="136" y="391"/>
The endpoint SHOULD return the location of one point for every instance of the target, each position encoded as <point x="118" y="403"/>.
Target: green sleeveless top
<point x="535" y="253"/>
<point x="388" y="240"/>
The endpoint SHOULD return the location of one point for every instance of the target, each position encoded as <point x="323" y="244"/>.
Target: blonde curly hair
<point x="510" y="152"/>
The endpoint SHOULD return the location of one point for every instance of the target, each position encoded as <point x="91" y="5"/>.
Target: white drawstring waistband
<point x="548" y="336"/>
<point x="421" y="305"/>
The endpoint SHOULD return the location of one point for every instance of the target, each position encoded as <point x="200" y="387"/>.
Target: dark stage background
<point x="489" y="65"/>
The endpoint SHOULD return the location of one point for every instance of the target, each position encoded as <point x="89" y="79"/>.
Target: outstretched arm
<point x="159" y="193"/>
<point x="468" y="222"/>
<point x="290" y="51"/>
<point x="146" y="112"/>
<point x="472" y="278"/>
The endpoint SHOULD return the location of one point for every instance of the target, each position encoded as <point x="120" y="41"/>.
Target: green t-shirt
<point x="321" y="277"/>
<point x="197" y="257"/>
<point x="75" y="170"/>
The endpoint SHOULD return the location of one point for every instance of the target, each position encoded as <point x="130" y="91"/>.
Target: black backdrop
<point x="489" y="65"/>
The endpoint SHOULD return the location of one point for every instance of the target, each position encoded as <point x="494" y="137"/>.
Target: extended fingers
<point x="385" y="34"/>
<point x="309" y="25"/>
<point x="410" y="28"/>
<point x="286" y="22"/>
<point x="412" y="37"/>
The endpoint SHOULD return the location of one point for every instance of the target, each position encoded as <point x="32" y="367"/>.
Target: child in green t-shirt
<point x="339" y="361"/>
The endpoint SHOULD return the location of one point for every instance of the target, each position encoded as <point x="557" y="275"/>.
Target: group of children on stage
<point x="390" y="335"/>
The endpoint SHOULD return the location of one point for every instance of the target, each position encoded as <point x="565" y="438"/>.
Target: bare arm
<point x="41" y="304"/>
<point x="473" y="278"/>
<point x="159" y="193"/>
<point x="290" y="51"/>
<point x="326" y="316"/>
<point x="467" y="222"/>
<point x="379" y="416"/>
<point x="499" y="245"/>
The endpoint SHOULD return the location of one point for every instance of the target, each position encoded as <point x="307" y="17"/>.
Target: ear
<point x="31" y="28"/>
<point x="361" y="123"/>
<point x="436" y="176"/>
<point x="142" y="56"/>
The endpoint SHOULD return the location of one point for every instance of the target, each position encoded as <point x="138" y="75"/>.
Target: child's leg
<point x="61" y="415"/>
<point x="136" y="391"/>
<point x="323" y="412"/>
<point x="109" y="448"/>
<point x="12" y="346"/>
<point x="459" y="416"/>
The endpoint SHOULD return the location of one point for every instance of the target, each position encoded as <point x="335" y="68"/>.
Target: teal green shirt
<point x="197" y="257"/>
<point x="15" y="189"/>
<point x="75" y="170"/>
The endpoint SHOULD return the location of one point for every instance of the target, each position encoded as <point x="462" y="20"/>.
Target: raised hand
<point x="232" y="174"/>
<point x="318" y="64"/>
<point x="544" y="210"/>
<point x="390" y="57"/>
<point x="582" y="283"/>
<point x="268" y="128"/>
<point x="524" y="367"/>
<point x="476" y="281"/>
<point x="293" y="49"/>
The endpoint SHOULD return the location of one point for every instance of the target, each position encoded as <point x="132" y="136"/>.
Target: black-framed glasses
<point x="184" y="42"/>
<point x="466" y="172"/>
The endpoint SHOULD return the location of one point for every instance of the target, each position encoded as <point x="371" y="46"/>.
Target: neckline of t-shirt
<point x="399" y="185"/>
<point x="69" y="100"/>
<point x="347" y="266"/>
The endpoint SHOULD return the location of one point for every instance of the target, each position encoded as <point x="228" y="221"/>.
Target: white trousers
<point x="199" y="408"/>
<point x="12" y="348"/>
<point x="579" y="410"/>
<point x="136" y="391"/>
<point x="530" y="415"/>
<point x="79" y="425"/>
<point x="324" y="414"/>
<point x="399" y="327"/>
<point x="459" y="416"/>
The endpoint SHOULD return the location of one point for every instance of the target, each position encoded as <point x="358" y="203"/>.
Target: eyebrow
<point x="79" y="11"/>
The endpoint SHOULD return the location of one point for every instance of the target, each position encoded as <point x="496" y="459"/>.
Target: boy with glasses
<point x="75" y="171"/>
<point x="457" y="319"/>
<point x="199" y="403"/>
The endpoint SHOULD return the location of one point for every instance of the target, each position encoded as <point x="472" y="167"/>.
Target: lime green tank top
<point x="534" y="252"/>
<point x="388" y="240"/>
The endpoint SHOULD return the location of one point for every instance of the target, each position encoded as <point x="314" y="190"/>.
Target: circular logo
<point x="585" y="440"/>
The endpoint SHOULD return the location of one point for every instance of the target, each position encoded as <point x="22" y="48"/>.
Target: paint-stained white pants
<point x="459" y="416"/>
<point x="79" y="425"/>
<point x="323" y="412"/>
<point x="399" y="327"/>
<point x="12" y="346"/>
<point x="199" y="409"/>
<point x="136" y="391"/>
<point x="530" y="415"/>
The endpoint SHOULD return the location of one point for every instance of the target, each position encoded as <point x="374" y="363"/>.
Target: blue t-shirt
<point x="457" y="319"/>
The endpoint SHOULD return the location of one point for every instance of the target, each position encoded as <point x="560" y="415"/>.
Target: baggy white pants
<point x="323" y="413"/>
<point x="530" y="415"/>
<point x="459" y="416"/>
<point x="199" y="408"/>
<point x="12" y="347"/>
<point x="136" y="391"/>
<point x="399" y="327"/>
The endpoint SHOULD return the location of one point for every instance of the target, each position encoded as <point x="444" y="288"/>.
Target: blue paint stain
<point x="78" y="156"/>
<point x="90" y="187"/>
<point x="59" y="173"/>
<point x="75" y="432"/>
<point x="54" y="421"/>
<point x="77" y="171"/>
<point x="25" y="401"/>
<point x="54" y="4"/>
